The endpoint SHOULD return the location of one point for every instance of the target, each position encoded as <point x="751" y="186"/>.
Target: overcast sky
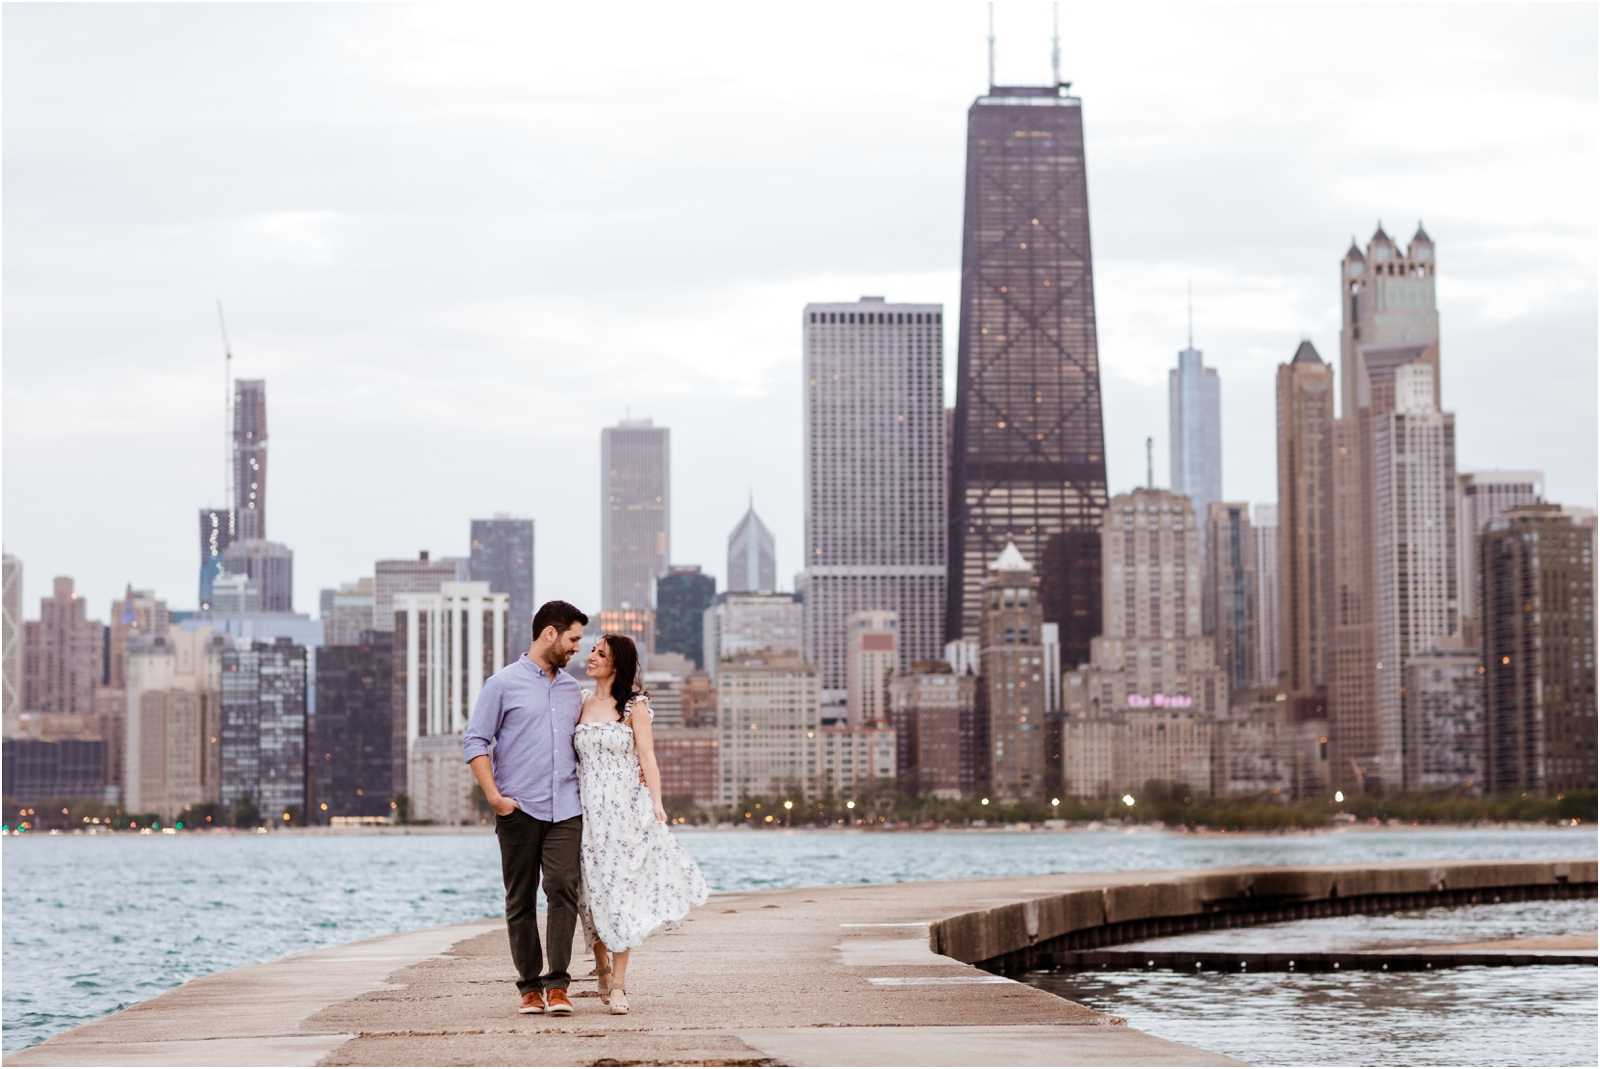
<point x="457" y="241"/>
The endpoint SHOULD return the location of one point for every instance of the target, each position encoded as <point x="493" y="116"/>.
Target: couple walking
<point x="572" y="778"/>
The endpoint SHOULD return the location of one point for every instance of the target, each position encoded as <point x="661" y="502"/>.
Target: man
<point x="528" y="713"/>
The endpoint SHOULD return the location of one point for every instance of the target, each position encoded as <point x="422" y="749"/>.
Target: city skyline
<point x="1508" y="282"/>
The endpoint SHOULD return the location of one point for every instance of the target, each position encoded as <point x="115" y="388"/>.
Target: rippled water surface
<point x="92" y="924"/>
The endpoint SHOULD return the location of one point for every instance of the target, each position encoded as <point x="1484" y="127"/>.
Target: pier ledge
<point x="883" y="974"/>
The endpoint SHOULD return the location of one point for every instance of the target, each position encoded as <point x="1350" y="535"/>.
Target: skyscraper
<point x="1390" y="319"/>
<point x="1305" y="532"/>
<point x="270" y="565"/>
<point x="11" y="637"/>
<point x="1480" y="497"/>
<point x="871" y="660"/>
<point x="1269" y="633"/>
<point x="419" y="576"/>
<point x="1536" y="571"/>
<point x="1194" y="419"/>
<point x="1229" y="591"/>
<point x="635" y="512"/>
<point x="71" y="653"/>
<point x="874" y="477"/>
<point x="502" y="556"/>
<point x="216" y="535"/>
<point x="250" y="458"/>
<point x="264" y="728"/>
<point x="355" y="728"/>
<point x="752" y="556"/>
<point x="682" y="597"/>
<point x="1028" y="461"/>
<point x="1011" y="693"/>
<point x="748" y="623"/>
<point x="1414" y="468"/>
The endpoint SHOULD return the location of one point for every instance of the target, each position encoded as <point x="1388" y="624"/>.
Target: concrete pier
<point x="863" y="975"/>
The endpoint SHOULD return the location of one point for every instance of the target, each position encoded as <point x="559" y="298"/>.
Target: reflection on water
<point x="1539" y="1015"/>
<point x="1472" y="1016"/>
<point x="95" y="924"/>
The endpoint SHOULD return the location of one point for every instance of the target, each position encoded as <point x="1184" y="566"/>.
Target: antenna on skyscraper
<point x="991" y="45"/>
<point x="227" y="416"/>
<point x="1150" y="463"/>
<point x="1191" y="313"/>
<point x="1055" y="44"/>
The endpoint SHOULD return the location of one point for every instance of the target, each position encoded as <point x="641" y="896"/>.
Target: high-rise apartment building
<point x="638" y="624"/>
<point x="1194" y="422"/>
<point x="1027" y="464"/>
<point x="768" y="717"/>
<point x="502" y="556"/>
<point x="687" y="758"/>
<point x="748" y="623"/>
<point x="1229" y="592"/>
<point x="1011" y="691"/>
<point x="1443" y="715"/>
<point x="179" y="733"/>
<point x="1305" y="534"/>
<point x="216" y="535"/>
<point x="250" y="458"/>
<point x="11" y="637"/>
<point x="1269" y="631"/>
<point x="1536" y="571"/>
<point x="178" y="764"/>
<point x="70" y="658"/>
<point x="265" y="729"/>
<point x="682" y="597"/>
<point x="934" y="713"/>
<point x="1414" y="468"/>
<point x="446" y="645"/>
<point x="353" y="753"/>
<point x="1390" y="320"/>
<point x="346" y="613"/>
<point x="1480" y="497"/>
<point x="420" y="576"/>
<point x="856" y="759"/>
<point x="872" y="656"/>
<point x="136" y="611"/>
<point x="874" y="477"/>
<point x="752" y="556"/>
<point x="635" y="512"/>
<point x="270" y="565"/>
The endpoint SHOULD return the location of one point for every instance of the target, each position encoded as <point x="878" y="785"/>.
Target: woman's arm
<point x="644" y="742"/>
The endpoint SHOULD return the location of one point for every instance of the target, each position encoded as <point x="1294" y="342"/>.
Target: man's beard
<point x="559" y="659"/>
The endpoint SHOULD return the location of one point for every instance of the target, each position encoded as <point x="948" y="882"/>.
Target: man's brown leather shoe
<point x="533" y="1002"/>
<point x="560" y="1005"/>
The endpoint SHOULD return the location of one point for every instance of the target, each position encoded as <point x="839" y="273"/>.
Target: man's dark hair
<point x="559" y="615"/>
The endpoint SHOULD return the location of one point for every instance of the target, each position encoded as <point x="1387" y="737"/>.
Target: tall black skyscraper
<point x="1028" y="456"/>
<point x="355" y="729"/>
<point x="250" y="458"/>
<point x="502" y="556"/>
<point x="682" y="597"/>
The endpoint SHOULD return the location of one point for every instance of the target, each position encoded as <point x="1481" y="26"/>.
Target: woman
<point x="636" y="878"/>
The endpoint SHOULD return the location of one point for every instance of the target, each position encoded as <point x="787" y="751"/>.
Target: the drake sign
<point x="1160" y="701"/>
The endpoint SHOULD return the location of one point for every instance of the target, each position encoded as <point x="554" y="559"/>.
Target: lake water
<point x="1474" y="1016"/>
<point x="95" y="923"/>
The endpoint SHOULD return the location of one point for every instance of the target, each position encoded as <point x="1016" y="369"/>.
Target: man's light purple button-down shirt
<point x="530" y="719"/>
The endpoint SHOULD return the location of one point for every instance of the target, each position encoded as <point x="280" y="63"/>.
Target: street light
<point x="1127" y="799"/>
<point x="787" y="808"/>
<point x="1054" y="802"/>
<point x="1338" y="796"/>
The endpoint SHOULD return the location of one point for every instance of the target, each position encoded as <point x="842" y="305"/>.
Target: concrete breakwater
<point x="1034" y="933"/>
<point x="865" y="974"/>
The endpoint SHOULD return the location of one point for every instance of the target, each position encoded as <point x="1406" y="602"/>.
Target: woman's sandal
<point x="618" y="1001"/>
<point x="602" y="981"/>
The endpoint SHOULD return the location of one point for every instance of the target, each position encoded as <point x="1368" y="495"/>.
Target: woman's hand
<point x="661" y="814"/>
